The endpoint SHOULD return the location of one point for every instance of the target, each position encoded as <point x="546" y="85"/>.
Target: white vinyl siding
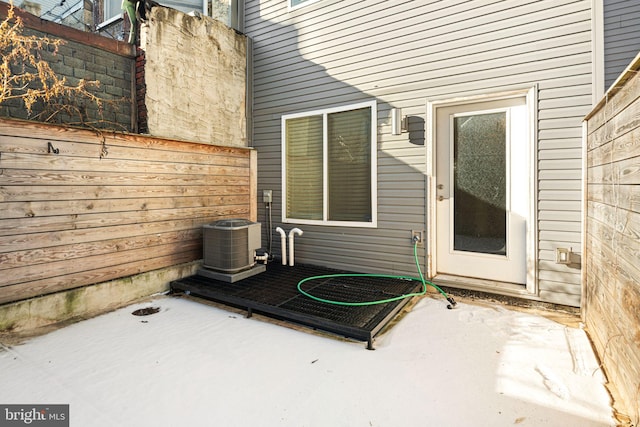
<point x="294" y="4"/>
<point x="403" y="54"/>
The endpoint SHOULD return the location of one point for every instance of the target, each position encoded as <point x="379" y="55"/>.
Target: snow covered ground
<point x="193" y="364"/>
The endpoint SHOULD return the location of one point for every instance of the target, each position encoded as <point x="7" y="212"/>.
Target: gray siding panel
<point x="402" y="54"/>
<point x="621" y="41"/>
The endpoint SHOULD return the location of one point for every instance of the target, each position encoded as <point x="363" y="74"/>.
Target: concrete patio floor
<point x="196" y="364"/>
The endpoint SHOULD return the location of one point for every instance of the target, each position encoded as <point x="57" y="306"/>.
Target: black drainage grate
<point x="274" y="293"/>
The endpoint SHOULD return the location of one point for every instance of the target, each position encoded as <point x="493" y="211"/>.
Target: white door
<point x="482" y="190"/>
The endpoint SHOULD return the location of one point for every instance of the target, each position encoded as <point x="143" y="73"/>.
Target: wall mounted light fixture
<point x="398" y="123"/>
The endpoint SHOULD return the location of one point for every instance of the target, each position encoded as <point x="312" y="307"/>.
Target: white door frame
<point x="530" y="93"/>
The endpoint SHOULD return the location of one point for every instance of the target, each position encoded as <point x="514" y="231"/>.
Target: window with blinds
<point x="329" y="166"/>
<point x="304" y="153"/>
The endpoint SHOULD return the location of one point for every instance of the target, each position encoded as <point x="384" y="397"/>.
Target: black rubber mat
<point x="274" y="293"/>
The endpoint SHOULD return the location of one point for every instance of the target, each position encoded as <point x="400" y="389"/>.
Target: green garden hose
<point x="421" y="279"/>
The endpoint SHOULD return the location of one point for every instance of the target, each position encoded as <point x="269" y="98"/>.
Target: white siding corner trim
<point x="597" y="54"/>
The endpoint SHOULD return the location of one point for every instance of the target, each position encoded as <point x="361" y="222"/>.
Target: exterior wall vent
<point x="229" y="245"/>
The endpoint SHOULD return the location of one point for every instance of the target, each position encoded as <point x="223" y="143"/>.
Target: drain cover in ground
<point x="146" y="311"/>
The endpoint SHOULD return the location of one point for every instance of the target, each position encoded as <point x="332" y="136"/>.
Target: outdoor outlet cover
<point x="563" y="256"/>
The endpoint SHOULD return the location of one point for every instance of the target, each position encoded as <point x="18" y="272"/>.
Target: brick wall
<point x="84" y="56"/>
<point x="141" y="91"/>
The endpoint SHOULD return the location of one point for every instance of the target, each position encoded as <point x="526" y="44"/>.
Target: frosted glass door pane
<point x="480" y="184"/>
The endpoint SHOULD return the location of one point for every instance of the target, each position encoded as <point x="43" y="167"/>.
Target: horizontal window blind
<point x="304" y="167"/>
<point x="349" y="165"/>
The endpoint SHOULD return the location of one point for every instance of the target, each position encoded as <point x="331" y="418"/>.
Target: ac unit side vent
<point x="230" y="245"/>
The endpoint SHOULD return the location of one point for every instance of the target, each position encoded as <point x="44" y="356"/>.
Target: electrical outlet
<point x="267" y="196"/>
<point x="417" y="236"/>
<point x="563" y="255"/>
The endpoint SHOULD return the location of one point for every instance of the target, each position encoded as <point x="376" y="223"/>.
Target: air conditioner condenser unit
<point x="229" y="249"/>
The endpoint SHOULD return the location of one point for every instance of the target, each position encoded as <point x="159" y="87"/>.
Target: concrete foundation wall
<point x="195" y="74"/>
<point x="30" y="315"/>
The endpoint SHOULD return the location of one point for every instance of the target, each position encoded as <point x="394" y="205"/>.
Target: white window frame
<point x="374" y="148"/>
<point x="111" y="19"/>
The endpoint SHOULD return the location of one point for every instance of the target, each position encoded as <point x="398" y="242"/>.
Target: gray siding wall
<point x="402" y="54"/>
<point x="621" y="40"/>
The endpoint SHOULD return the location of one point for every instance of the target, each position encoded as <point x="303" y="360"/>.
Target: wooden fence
<point x="611" y="306"/>
<point x="80" y="207"/>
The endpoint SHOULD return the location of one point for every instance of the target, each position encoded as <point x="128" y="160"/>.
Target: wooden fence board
<point x="616" y="127"/>
<point x="43" y="131"/>
<point x="108" y="205"/>
<point x="91" y="148"/>
<point x="94" y="220"/>
<point x="612" y="236"/>
<point x="87" y="177"/>
<point x="217" y="187"/>
<point x="623" y="196"/>
<point x="614" y="104"/>
<point x="30" y="161"/>
<point x="17" y="259"/>
<point x="622" y="172"/>
<point x="624" y="147"/>
<point x="30" y="273"/>
<point x="56" y="238"/>
<point x="29" y="209"/>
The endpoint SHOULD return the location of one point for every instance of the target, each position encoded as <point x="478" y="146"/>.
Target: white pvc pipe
<point x="291" y="234"/>
<point x="283" y="244"/>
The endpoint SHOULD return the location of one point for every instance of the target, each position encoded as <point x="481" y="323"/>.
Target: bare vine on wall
<point x="26" y="76"/>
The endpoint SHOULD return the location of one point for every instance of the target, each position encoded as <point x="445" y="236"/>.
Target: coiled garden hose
<point x="421" y="279"/>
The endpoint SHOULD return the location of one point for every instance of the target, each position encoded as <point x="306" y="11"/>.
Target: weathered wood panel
<point x="108" y="205"/>
<point x="612" y="286"/>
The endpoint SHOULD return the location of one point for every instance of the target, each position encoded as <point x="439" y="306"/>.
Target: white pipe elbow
<point x="283" y="244"/>
<point x="295" y="231"/>
<point x="292" y="233"/>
